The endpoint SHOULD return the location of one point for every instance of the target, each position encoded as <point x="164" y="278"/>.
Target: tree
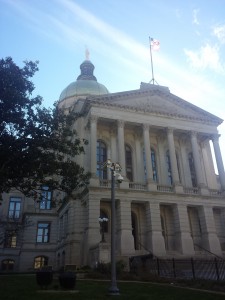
<point x="37" y="145"/>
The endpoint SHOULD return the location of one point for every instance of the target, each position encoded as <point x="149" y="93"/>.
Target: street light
<point x="115" y="170"/>
<point x="102" y="221"/>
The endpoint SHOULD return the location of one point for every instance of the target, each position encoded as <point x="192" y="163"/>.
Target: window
<point x="43" y="232"/>
<point x="8" y="265"/>
<point x="14" y="208"/>
<point x="105" y="226"/>
<point x="128" y="157"/>
<point x="40" y="261"/>
<point x="154" y="166"/>
<point x="101" y="158"/>
<point x="192" y="169"/>
<point x="169" y="171"/>
<point x="10" y="239"/>
<point x="46" y="198"/>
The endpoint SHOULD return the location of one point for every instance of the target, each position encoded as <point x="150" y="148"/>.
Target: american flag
<point x="155" y="44"/>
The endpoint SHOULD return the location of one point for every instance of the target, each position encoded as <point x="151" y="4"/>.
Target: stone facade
<point x="171" y="202"/>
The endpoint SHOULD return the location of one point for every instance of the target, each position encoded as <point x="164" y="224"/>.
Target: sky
<point x="191" y="59"/>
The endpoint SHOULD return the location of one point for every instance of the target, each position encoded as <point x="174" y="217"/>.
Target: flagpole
<point x="152" y="80"/>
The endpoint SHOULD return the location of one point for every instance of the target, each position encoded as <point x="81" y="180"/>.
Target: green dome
<point x="85" y="85"/>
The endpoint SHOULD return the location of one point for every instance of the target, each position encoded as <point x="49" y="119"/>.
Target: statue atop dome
<point x="87" y="54"/>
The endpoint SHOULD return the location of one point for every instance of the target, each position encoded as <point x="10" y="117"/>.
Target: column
<point x="138" y="172"/>
<point x="197" y="163"/>
<point x="182" y="228"/>
<point x="210" y="175"/>
<point x="147" y="146"/>
<point x="93" y="145"/>
<point x="121" y="147"/>
<point x="184" y="158"/>
<point x="219" y="160"/>
<point x="155" y="240"/>
<point x="173" y="160"/>
<point x="210" y="239"/>
<point x="125" y="237"/>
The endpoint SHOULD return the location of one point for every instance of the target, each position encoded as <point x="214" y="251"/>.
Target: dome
<point x="85" y="85"/>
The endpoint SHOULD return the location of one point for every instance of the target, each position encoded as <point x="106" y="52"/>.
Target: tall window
<point x="154" y="166"/>
<point x="43" y="232"/>
<point x="10" y="239"/>
<point x="178" y="167"/>
<point x="101" y="158"/>
<point x="105" y="226"/>
<point x="192" y="169"/>
<point x="14" y="208"/>
<point x="46" y="198"/>
<point x="40" y="261"/>
<point x="128" y="157"/>
<point x="169" y="171"/>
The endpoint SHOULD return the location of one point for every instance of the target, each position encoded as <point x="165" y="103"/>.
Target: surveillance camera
<point x="120" y="178"/>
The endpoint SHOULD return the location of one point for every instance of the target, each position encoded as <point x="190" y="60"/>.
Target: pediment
<point x="156" y="100"/>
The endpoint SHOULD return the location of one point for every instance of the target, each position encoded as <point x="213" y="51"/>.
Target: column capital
<point x="215" y="137"/>
<point x="120" y="123"/>
<point x="93" y="119"/>
<point x="170" y="130"/>
<point x="146" y="126"/>
<point x="193" y="133"/>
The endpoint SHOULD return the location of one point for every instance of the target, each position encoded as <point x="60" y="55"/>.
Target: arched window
<point x="154" y="165"/>
<point x="129" y="167"/>
<point x="169" y="171"/>
<point x="101" y="158"/>
<point x="192" y="169"/>
<point x="40" y="262"/>
<point x="8" y="265"/>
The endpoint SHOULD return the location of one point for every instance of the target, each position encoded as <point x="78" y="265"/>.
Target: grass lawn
<point x="24" y="287"/>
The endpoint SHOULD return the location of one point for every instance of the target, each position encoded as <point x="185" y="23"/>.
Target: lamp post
<point x="115" y="170"/>
<point x="102" y="221"/>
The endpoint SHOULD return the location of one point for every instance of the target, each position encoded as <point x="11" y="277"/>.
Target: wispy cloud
<point x="195" y="17"/>
<point x="206" y="57"/>
<point x="219" y="32"/>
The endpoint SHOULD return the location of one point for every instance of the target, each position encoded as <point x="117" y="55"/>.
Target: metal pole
<point x="153" y="80"/>
<point x="113" y="290"/>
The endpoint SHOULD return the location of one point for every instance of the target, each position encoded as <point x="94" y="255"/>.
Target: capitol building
<point x="171" y="202"/>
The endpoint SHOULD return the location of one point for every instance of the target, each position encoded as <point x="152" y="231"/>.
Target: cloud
<point x="195" y="17"/>
<point x="219" y="32"/>
<point x="206" y="57"/>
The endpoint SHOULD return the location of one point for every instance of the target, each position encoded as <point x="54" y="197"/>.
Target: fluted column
<point x="173" y="158"/>
<point x="196" y="157"/>
<point x="121" y="147"/>
<point x="94" y="181"/>
<point x="147" y="146"/>
<point x="219" y="160"/>
<point x="93" y="144"/>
